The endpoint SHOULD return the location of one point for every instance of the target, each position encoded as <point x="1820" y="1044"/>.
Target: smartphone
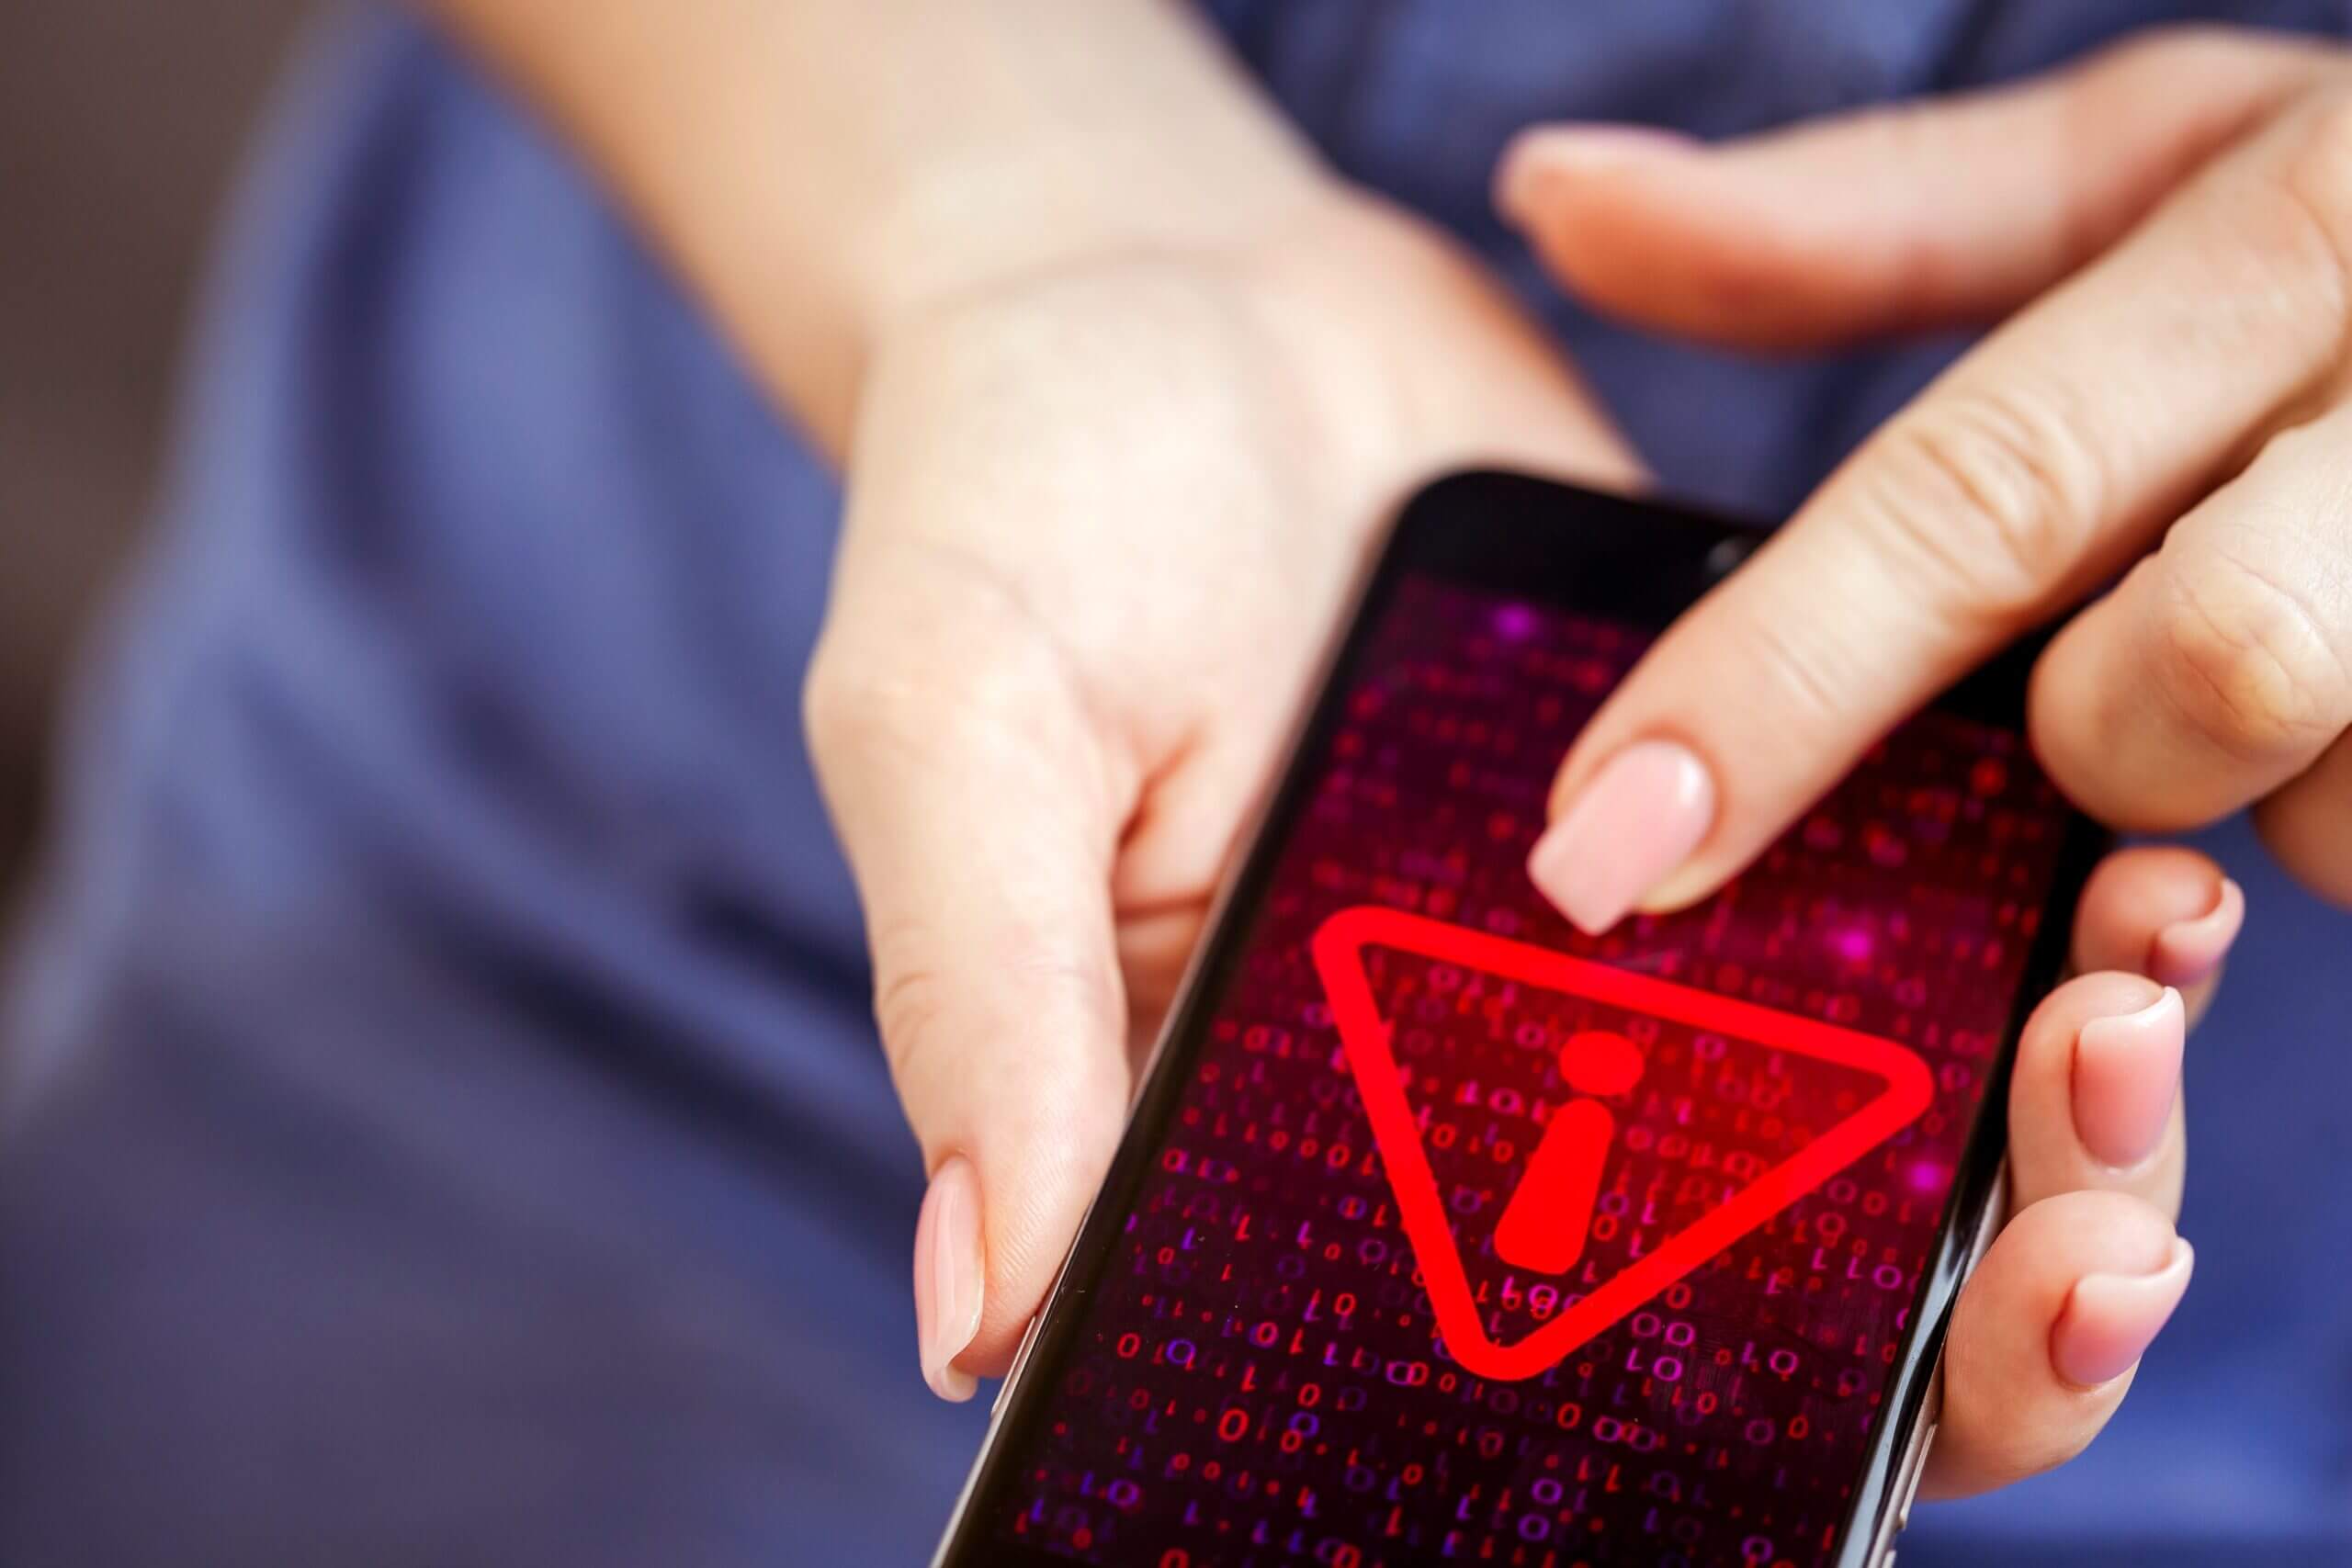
<point x="1443" y="1234"/>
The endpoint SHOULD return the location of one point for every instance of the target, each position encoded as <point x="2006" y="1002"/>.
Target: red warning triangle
<point x="1339" y="950"/>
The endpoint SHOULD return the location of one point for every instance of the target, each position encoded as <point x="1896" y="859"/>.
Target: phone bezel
<point x="1635" y="560"/>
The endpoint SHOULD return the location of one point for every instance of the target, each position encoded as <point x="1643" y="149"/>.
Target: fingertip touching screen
<point x="1467" y="1238"/>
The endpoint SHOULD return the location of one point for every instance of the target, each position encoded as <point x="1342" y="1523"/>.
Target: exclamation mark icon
<point x="1545" y="1225"/>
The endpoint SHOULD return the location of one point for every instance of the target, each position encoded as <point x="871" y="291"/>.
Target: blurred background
<point x="121" y="121"/>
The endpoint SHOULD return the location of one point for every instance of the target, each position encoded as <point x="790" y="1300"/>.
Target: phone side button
<point x="1020" y="1359"/>
<point x="1911" y="1482"/>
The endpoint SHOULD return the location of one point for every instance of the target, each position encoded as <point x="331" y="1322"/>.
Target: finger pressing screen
<point x="2034" y="468"/>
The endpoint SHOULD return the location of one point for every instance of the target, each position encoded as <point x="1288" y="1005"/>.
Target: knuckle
<point x="2311" y="235"/>
<point x="912" y="1004"/>
<point x="927" y="694"/>
<point x="1076" y="996"/>
<point x="1991" y="497"/>
<point x="2247" y="659"/>
<point x="867" y="719"/>
<point x="1033" y="993"/>
<point x="1810" y="677"/>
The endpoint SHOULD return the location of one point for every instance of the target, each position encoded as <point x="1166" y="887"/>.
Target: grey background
<point x="121" y="121"/>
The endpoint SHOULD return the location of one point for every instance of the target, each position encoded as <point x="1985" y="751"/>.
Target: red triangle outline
<point x="1337" y="948"/>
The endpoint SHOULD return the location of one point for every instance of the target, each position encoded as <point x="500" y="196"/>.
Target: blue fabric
<point x="442" y="1123"/>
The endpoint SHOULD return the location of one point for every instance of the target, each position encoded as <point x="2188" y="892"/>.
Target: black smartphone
<point x="1443" y="1234"/>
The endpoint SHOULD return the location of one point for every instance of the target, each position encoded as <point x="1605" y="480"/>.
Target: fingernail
<point x="1538" y="157"/>
<point x="2186" y="953"/>
<point x="1634" y="822"/>
<point x="2126" y="1073"/>
<point x="949" y="1269"/>
<point x="2111" y="1319"/>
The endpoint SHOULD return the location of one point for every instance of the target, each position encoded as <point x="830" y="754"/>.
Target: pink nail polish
<point x="2188" y="952"/>
<point x="2126" y="1074"/>
<point x="2111" y="1319"/>
<point x="949" y="1273"/>
<point x="1634" y="823"/>
<point x="1556" y="151"/>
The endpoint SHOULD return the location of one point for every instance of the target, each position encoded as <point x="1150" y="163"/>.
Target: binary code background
<point x="1261" y="1380"/>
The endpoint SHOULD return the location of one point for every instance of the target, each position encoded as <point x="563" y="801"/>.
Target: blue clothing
<point x="442" y="1123"/>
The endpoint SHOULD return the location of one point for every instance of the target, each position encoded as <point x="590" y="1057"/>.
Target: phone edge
<point x="1889" y="1478"/>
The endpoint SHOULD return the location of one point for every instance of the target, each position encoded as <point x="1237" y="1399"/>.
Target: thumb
<point x="1895" y="218"/>
<point x="968" y="795"/>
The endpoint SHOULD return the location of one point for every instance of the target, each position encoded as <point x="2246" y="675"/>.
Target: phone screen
<point x="1470" y="1239"/>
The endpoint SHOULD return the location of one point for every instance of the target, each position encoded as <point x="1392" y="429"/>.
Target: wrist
<point x="1359" y="338"/>
<point x="988" y="219"/>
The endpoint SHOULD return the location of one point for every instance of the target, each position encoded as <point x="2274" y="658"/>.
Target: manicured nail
<point x="1538" y="158"/>
<point x="2126" y="1074"/>
<point x="2186" y="953"/>
<point x="949" y="1271"/>
<point x="1634" y="822"/>
<point x="2111" y="1319"/>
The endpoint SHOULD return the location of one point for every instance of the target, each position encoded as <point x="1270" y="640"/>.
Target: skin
<point x="2170" y="223"/>
<point x="1122" y="385"/>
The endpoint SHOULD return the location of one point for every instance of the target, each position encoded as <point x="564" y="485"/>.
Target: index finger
<point x="2035" y="468"/>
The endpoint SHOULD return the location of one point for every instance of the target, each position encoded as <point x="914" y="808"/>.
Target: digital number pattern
<point x="1260" y="1381"/>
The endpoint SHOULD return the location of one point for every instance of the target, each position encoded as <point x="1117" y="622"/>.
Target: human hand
<point x="1101" y="523"/>
<point x="2174" y="217"/>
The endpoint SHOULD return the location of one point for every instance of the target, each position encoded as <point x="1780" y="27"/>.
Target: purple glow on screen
<point x="1258" y="1379"/>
